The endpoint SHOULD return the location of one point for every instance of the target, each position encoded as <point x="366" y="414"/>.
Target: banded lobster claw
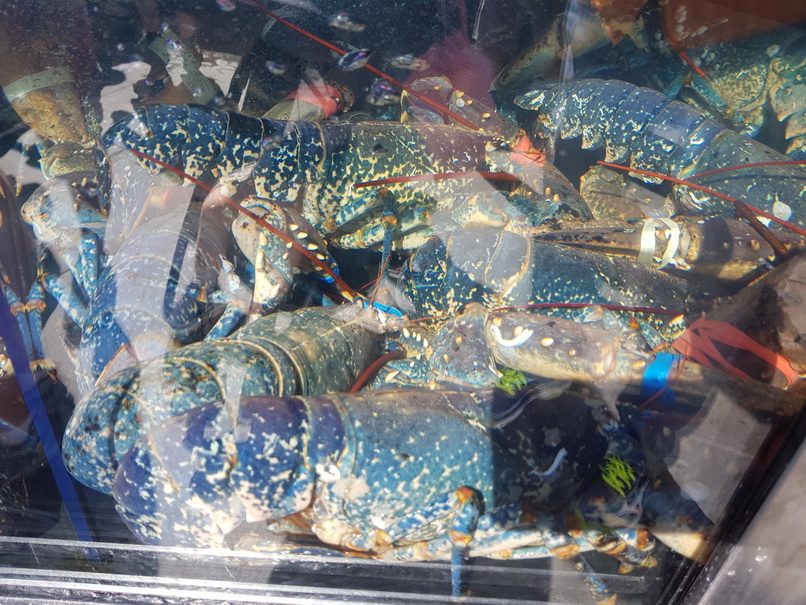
<point x="726" y="249"/>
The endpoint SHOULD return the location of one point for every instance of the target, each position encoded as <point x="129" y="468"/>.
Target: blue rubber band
<point x="382" y="307"/>
<point x="324" y="278"/>
<point x="656" y="378"/>
<point x="39" y="416"/>
<point x="328" y="279"/>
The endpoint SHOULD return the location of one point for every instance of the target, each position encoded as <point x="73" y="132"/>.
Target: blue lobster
<point x="659" y="135"/>
<point x="401" y="475"/>
<point x="139" y="289"/>
<point x="188" y="464"/>
<point x="317" y="166"/>
<point x="475" y="265"/>
<point x="293" y="166"/>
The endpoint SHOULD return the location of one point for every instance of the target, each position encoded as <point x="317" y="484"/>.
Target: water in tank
<point x="488" y="301"/>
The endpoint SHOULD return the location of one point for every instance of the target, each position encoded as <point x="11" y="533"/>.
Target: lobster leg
<point x="88" y="271"/>
<point x="613" y="544"/>
<point x="410" y="228"/>
<point x="71" y="298"/>
<point x="19" y="311"/>
<point x="563" y="545"/>
<point x="29" y="317"/>
<point x="461" y="509"/>
<point x="36" y="308"/>
<point x="275" y="258"/>
<point x="505" y="533"/>
<point x="236" y="295"/>
<point x="267" y="252"/>
<point x="71" y="229"/>
<point x="66" y="296"/>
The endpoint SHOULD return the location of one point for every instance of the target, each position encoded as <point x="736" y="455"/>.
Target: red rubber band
<point x="325" y="96"/>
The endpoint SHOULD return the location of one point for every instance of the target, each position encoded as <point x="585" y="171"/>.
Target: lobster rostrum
<point x="653" y="133"/>
<point x="319" y="167"/>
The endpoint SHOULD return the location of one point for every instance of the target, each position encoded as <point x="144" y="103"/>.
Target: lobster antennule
<point x="572" y="305"/>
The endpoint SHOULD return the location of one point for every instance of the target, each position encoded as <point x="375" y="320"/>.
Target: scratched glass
<point x="401" y="302"/>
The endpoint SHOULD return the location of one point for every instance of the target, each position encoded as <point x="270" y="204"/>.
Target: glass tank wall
<point x="386" y="302"/>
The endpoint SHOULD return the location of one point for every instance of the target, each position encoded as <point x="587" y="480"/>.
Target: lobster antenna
<point x="609" y="307"/>
<point x="678" y="48"/>
<point x="751" y="165"/>
<point x="374" y="367"/>
<point x="393" y="180"/>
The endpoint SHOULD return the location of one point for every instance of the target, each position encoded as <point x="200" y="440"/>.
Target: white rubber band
<point x="43" y="79"/>
<point x="674" y="242"/>
<point x="515" y="340"/>
<point x="648" y="241"/>
<point x="646" y="250"/>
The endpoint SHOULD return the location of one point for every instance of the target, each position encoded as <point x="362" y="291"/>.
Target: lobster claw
<point x="224" y="464"/>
